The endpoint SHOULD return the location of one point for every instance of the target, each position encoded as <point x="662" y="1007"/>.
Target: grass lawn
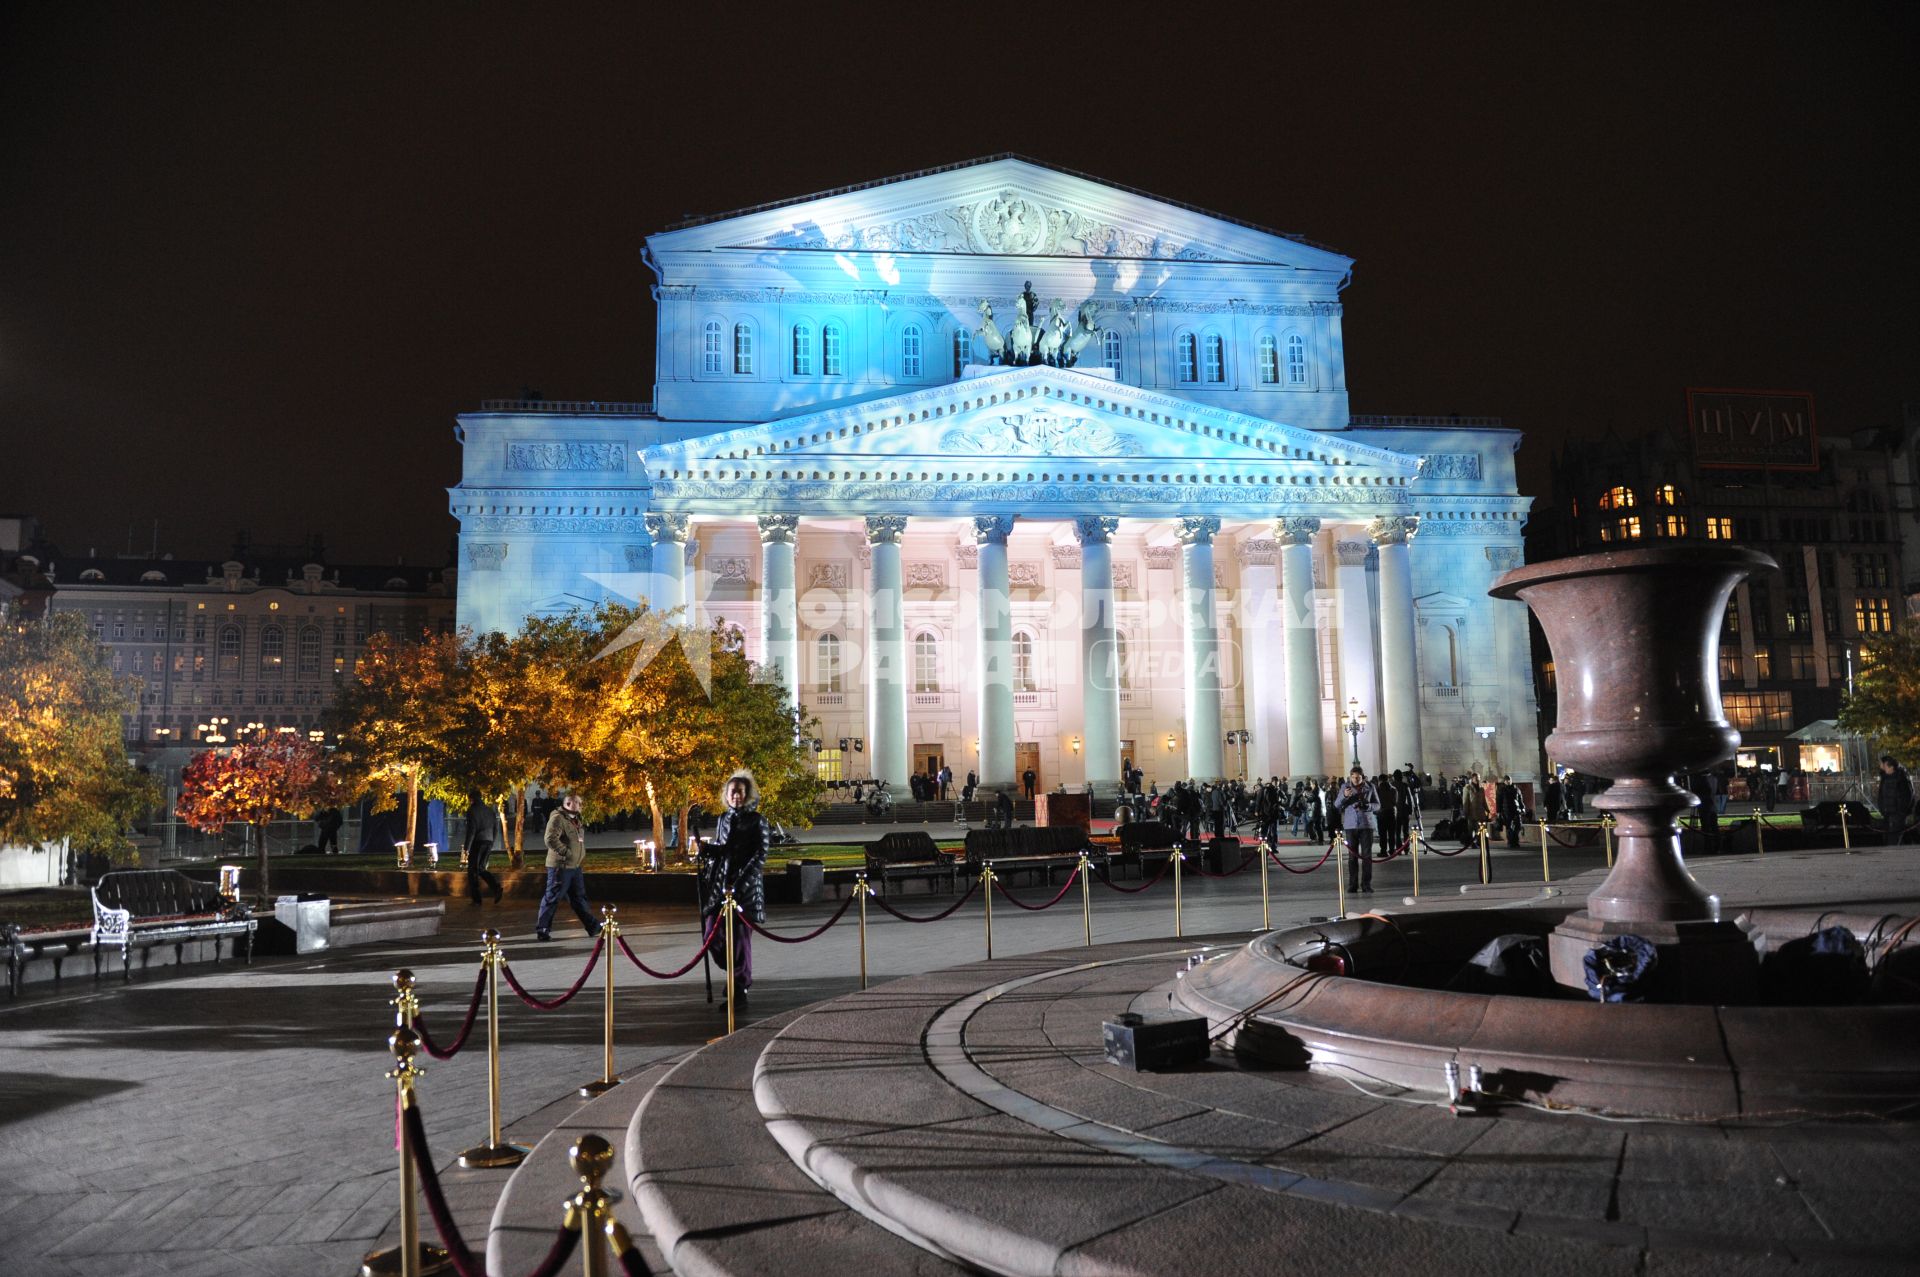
<point x="47" y="908"/>
<point x="836" y="855"/>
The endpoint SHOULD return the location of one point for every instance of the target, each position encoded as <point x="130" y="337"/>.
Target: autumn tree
<point x="393" y="719"/>
<point x="64" y="772"/>
<point x="1885" y="703"/>
<point x="251" y="783"/>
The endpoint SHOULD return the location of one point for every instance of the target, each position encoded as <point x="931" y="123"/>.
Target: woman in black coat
<point x="735" y="861"/>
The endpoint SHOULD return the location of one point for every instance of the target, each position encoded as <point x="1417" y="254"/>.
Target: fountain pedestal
<point x="1635" y="638"/>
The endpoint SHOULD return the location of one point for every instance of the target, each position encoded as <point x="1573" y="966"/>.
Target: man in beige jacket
<point x="566" y="869"/>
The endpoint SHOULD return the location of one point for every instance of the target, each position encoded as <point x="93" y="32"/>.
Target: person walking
<point x="1356" y="805"/>
<point x="946" y="781"/>
<point x="1895" y="800"/>
<point x="483" y="830"/>
<point x="328" y="822"/>
<point x="735" y="862"/>
<point x="1003" y="808"/>
<point x="566" y="870"/>
<point x="1506" y="799"/>
<point x="1473" y="808"/>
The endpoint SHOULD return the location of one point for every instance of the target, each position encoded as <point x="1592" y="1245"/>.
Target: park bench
<point x="1034" y="848"/>
<point x="908" y="854"/>
<point x="1142" y="841"/>
<point x="148" y="907"/>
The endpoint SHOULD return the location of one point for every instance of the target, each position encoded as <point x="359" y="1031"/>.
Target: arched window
<point x="710" y="356"/>
<point x="273" y="648"/>
<point x="229" y="649"/>
<point x="310" y="650"/>
<point x="743" y="350"/>
<point x="910" y="351"/>
<point x="803" y="350"/>
<point x="826" y="672"/>
<point x="962" y="350"/>
<point x="833" y="351"/>
<point x="1110" y="349"/>
<point x="1216" y="351"/>
<point x="1296" y="360"/>
<point x="926" y="663"/>
<point x="1185" y="357"/>
<point x="1616" y="499"/>
<point x="1269" y="360"/>
<point x="1022" y="661"/>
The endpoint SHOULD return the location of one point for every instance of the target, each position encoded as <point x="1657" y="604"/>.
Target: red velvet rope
<point x="473" y="1009"/>
<point x="1563" y="842"/>
<point x="1057" y="897"/>
<point x="820" y="930"/>
<point x="692" y="962"/>
<point x="1165" y="865"/>
<point x="1228" y="873"/>
<point x="948" y="912"/>
<point x="521" y="993"/>
<point x="465" y="1262"/>
<point x="1433" y="850"/>
<point x="1310" y="868"/>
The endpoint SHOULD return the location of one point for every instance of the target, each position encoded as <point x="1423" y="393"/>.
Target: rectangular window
<point x="832" y="351"/>
<point x="1759" y="711"/>
<point x="1187" y="357"/>
<point x="1729" y="663"/>
<point x="1296" y="361"/>
<point x="1216" y="359"/>
<point x="910" y="353"/>
<point x="802" y="351"/>
<point x="742" y="351"/>
<point x="1719" y="528"/>
<point x="1731" y="622"/>
<point x="962" y="350"/>
<point x="1763" y="662"/>
<point x="710" y="355"/>
<point x="1800" y="661"/>
<point x="1872" y="615"/>
<point x="828" y="764"/>
<point x="1110" y="349"/>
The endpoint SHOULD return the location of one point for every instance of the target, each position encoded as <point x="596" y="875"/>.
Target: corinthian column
<point x="1264" y="685"/>
<point x="1098" y="670"/>
<point x="1302" y="648"/>
<point x="1203" y="648"/>
<point x="1355" y="612"/>
<point x="780" y="608"/>
<point x="667" y="583"/>
<point x="1400" y="675"/>
<point x="887" y="655"/>
<point x="996" y="652"/>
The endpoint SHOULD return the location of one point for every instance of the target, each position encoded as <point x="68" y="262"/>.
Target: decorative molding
<point x="1065" y="556"/>
<point x="499" y="523"/>
<point x="485" y="556"/>
<point x="1161" y="556"/>
<point x="992" y="527"/>
<point x="1027" y="574"/>
<point x="730" y="568"/>
<point x="1450" y="465"/>
<point x="1219" y="575"/>
<point x="928" y="575"/>
<point x="864" y="552"/>
<point x="826" y="576"/>
<point x="778" y="529"/>
<point x="690" y="552"/>
<point x="1124" y="577"/>
<point x="1006" y="224"/>
<point x="1097" y="529"/>
<point x="885" y="529"/>
<point x="639" y="557"/>
<point x="967" y="554"/>
<point x="1393" y="529"/>
<point x="1351" y="554"/>
<point x="1245" y="308"/>
<point x="1257" y="552"/>
<point x="1505" y="558"/>
<point x="566" y="454"/>
<point x="1295" y="531"/>
<point x="667" y="527"/>
<point x="1196" y="530"/>
<point x="1043" y="434"/>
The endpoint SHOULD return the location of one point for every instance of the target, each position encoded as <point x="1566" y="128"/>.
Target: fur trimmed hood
<point x="753" y="789"/>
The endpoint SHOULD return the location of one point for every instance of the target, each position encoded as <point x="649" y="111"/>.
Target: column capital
<point x="778" y="529"/>
<point x="1255" y="552"/>
<point x="667" y="527"/>
<point x="992" y="528"/>
<point x="1295" y="530"/>
<point x="885" y="529"/>
<point x="1095" y="529"/>
<point x="1350" y="553"/>
<point x="1505" y="558"/>
<point x="1197" y="530"/>
<point x="1393" y="529"/>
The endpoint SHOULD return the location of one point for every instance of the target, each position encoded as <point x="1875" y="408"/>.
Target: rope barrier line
<point x="1107" y="878"/>
<point x="692" y="962"/>
<point x="473" y="1010"/>
<point x="1324" y="857"/>
<point x="1227" y="873"/>
<point x="820" y="930"/>
<point x="465" y="1262"/>
<point x="1058" y="896"/>
<point x="513" y="982"/>
<point x="948" y="912"/>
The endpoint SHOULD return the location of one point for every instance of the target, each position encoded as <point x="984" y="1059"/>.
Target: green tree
<point x="64" y="772"/>
<point x="1885" y="704"/>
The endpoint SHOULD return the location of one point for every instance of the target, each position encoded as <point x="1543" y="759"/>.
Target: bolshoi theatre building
<point x="1007" y="468"/>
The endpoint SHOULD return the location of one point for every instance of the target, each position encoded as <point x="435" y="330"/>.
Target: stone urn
<point x="1635" y="639"/>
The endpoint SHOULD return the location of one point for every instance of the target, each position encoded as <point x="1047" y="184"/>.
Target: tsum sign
<point x="1752" y="429"/>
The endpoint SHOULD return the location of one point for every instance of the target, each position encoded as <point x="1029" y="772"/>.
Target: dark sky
<point x="254" y="259"/>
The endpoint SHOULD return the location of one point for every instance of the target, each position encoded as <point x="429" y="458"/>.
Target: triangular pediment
<point x="1004" y="206"/>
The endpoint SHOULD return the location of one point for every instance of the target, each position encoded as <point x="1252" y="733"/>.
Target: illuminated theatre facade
<point x="1146" y="528"/>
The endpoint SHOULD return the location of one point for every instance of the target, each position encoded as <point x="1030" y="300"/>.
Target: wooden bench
<point x="908" y="854"/>
<point x="1036" y="848"/>
<point x="147" y="907"/>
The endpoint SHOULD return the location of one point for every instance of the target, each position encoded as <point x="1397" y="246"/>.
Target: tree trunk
<point x="247" y="832"/>
<point x="519" y="858"/>
<point x="413" y="811"/>
<point x="659" y="824"/>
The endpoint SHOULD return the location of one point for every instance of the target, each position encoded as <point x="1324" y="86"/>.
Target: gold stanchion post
<point x="1606" y="835"/>
<point x="1846" y="834"/>
<point x="1179" y="858"/>
<point x="496" y="1151"/>
<point x="1759" y="834"/>
<point x="410" y="1258"/>
<point x="1546" y="870"/>
<point x="1486" y="868"/>
<point x="1086" y="898"/>
<point x="1266" y="906"/>
<point x="986" y="889"/>
<point x="589" y="1210"/>
<point x="609" y="934"/>
<point x="1340" y="853"/>
<point x="727" y="908"/>
<point x="1413" y="854"/>
<point x="860" y="886"/>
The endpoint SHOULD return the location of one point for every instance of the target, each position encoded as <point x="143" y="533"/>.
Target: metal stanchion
<point x="860" y="886"/>
<point x="496" y="1151"/>
<point x="1413" y="854"/>
<point x="1486" y="866"/>
<point x="1606" y="833"/>
<point x="986" y="890"/>
<point x="1846" y="835"/>
<point x="406" y="1003"/>
<point x="1759" y="834"/>
<point x="609" y="935"/>
<point x="1340" y="853"/>
<point x="410" y="1258"/>
<point x="1179" y="857"/>
<point x="1546" y="870"/>
<point x="1266" y="909"/>
<point x="727" y="908"/>
<point x="589" y="1210"/>
<point x="1086" y="898"/>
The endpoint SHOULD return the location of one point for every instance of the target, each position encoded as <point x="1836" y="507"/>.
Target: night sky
<point x="253" y="260"/>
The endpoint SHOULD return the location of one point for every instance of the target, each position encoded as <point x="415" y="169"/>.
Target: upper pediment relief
<point x="1004" y="207"/>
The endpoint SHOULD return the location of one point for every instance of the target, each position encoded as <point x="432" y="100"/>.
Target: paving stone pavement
<point x="235" y="1119"/>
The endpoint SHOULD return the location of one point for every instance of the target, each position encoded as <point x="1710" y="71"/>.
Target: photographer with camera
<point x="1356" y="804"/>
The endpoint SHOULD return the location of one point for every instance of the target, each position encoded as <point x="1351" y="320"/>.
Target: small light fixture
<point x="1171" y="742"/>
<point x="1075" y="743"/>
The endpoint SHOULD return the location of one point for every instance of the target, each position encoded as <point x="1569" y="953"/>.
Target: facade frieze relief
<point x="1161" y="556"/>
<point x="639" y="557"/>
<point x="1024" y="573"/>
<point x="1065" y="556"/>
<point x="552" y="524"/>
<point x="1450" y="465"/>
<point x="826" y="576"/>
<point x="1124" y="577"/>
<point x="486" y="556"/>
<point x="926" y="575"/>
<point x="729" y="568"/>
<point x="1256" y="499"/>
<point x="967" y="554"/>
<point x="567" y="454"/>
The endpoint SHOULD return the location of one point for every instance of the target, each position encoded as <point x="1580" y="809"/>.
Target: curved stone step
<point x="528" y="1212"/>
<point x="720" y="1196"/>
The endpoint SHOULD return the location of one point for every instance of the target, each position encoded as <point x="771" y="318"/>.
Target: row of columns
<point x="1268" y="716"/>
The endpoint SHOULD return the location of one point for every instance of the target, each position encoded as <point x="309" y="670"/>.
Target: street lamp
<point x="1493" y="754"/>
<point x="1240" y="736"/>
<point x="1353" y="721"/>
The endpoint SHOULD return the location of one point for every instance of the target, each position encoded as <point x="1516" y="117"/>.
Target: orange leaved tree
<point x="251" y="783"/>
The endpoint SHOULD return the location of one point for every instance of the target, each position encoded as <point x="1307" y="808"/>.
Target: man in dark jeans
<point x="1028" y="779"/>
<point x="566" y="865"/>
<point x="483" y="830"/>
<point x="1896" y="799"/>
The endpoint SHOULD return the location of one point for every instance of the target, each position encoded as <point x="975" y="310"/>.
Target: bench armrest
<point x="110" y="925"/>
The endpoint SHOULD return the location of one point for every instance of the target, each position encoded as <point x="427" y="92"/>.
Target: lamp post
<point x="1240" y="736"/>
<point x="1493" y="754"/>
<point x="1353" y="721"/>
